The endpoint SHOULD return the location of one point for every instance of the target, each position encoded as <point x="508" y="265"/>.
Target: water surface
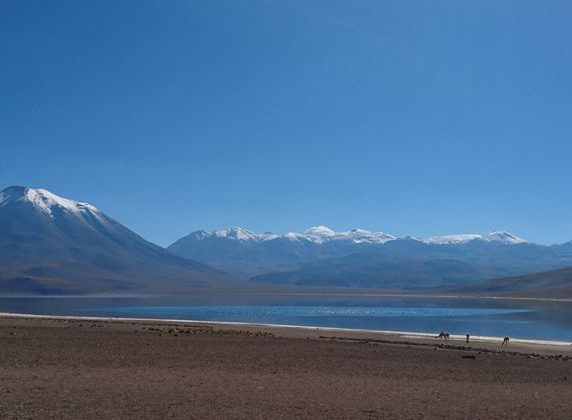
<point x="523" y="319"/>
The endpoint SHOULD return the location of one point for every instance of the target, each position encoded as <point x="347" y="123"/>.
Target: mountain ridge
<point x="321" y="234"/>
<point x="368" y="259"/>
<point x="51" y="244"/>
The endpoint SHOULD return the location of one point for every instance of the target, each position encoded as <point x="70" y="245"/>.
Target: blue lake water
<point x="523" y="319"/>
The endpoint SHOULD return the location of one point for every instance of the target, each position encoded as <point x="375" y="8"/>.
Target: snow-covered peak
<point x="268" y="236"/>
<point x="503" y="237"/>
<point x="319" y="234"/>
<point x="365" y="236"/>
<point x="316" y="234"/>
<point x="319" y="231"/>
<point x="452" y="239"/>
<point x="44" y="200"/>
<point x="322" y="235"/>
<point x="292" y="236"/>
<point x="199" y="234"/>
<point x="236" y="233"/>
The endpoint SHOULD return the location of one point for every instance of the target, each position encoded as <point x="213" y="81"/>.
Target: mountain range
<point x="360" y="258"/>
<point x="54" y="245"/>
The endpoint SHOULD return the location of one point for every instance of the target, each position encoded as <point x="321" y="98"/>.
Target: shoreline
<point x="318" y="332"/>
<point x="286" y="294"/>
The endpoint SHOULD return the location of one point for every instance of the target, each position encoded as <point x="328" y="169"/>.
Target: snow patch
<point x="359" y="236"/>
<point x="316" y="234"/>
<point x="319" y="234"/>
<point x="501" y="237"/>
<point x="45" y="201"/>
<point x="235" y="233"/>
<point x="452" y="239"/>
<point x="322" y="234"/>
<point x="504" y="237"/>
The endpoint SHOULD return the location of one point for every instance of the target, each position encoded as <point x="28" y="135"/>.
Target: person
<point x="468" y="338"/>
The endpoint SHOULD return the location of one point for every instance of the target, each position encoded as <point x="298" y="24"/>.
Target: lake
<point x="523" y="319"/>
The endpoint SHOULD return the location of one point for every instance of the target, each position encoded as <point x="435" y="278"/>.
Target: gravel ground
<point x="87" y="369"/>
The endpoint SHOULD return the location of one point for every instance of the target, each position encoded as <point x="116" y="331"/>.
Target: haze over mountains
<point x="51" y="245"/>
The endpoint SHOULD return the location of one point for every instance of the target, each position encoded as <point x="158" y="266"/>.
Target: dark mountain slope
<point x="553" y="284"/>
<point x="411" y="264"/>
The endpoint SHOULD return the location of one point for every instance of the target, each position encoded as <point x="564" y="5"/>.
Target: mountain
<point x="247" y="253"/>
<point x="50" y="244"/>
<point x="360" y="258"/>
<point x="377" y="271"/>
<point x="551" y="284"/>
<point x="499" y="237"/>
<point x="563" y="249"/>
<point x="413" y="264"/>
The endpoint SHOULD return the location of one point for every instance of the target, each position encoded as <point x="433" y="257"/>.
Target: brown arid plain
<point x="81" y="368"/>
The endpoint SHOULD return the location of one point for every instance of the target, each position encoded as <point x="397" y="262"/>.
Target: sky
<point x="409" y="117"/>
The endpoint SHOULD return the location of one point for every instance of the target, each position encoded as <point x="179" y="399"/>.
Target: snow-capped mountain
<point x="497" y="236"/>
<point x="451" y="239"/>
<point x="503" y="237"/>
<point x="315" y="234"/>
<point x="236" y="233"/>
<point x="245" y="252"/>
<point x="359" y="236"/>
<point x="361" y="254"/>
<point x="50" y="244"/>
<point x="45" y="201"/>
<point x="318" y="234"/>
<point x="322" y="234"/>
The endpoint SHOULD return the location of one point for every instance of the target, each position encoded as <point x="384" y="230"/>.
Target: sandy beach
<point x="85" y="368"/>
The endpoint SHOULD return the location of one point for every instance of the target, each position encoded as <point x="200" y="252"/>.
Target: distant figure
<point x="443" y="335"/>
<point x="468" y="338"/>
<point x="506" y="340"/>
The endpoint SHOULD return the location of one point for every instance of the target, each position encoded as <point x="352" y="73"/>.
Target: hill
<point x="549" y="284"/>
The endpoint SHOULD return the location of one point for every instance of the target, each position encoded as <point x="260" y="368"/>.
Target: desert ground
<point x="84" y="368"/>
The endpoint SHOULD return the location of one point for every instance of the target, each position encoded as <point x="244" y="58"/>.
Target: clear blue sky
<point x="410" y="117"/>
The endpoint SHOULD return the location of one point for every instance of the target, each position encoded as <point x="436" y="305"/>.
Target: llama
<point x="443" y="335"/>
